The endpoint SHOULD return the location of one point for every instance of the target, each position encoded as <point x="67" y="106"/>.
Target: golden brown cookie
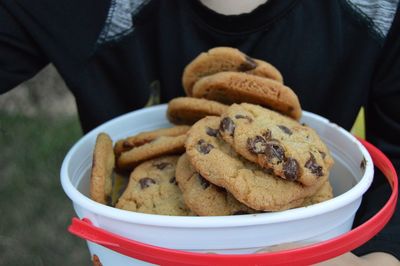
<point x="234" y="87"/>
<point x="292" y="151"/>
<point x="102" y="169"/>
<point x="188" y="110"/>
<point x="323" y="194"/>
<point x="156" y="148"/>
<point x="146" y="137"/>
<point x="225" y="59"/>
<point x="152" y="189"/>
<point x="203" y="197"/>
<point x="216" y="161"/>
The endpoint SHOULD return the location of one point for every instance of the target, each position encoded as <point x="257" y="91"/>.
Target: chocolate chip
<point x="323" y="154"/>
<point x="146" y="182"/>
<point x="240" y="212"/>
<point x="212" y="132"/>
<point x="161" y="165"/>
<point x="291" y="169"/>
<point x="172" y="180"/>
<point x="285" y="129"/>
<point x="363" y="164"/>
<point x="247" y="65"/>
<point x="204" y="147"/>
<point x="267" y="134"/>
<point x="227" y="125"/>
<point x="268" y="171"/>
<point x="204" y="183"/>
<point x="313" y="166"/>
<point x="220" y="189"/>
<point x="248" y="118"/>
<point x="256" y="145"/>
<point x="127" y="145"/>
<point x="274" y="150"/>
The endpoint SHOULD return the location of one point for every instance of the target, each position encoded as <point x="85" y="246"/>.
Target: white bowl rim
<point x="215" y="221"/>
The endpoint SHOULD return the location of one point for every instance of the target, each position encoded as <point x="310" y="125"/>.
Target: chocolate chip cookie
<point x="252" y="185"/>
<point x="102" y="169"/>
<point x="160" y="146"/>
<point x="235" y="87"/>
<point x="128" y="143"/>
<point x="225" y="59"/>
<point x="188" y="110"/>
<point x="203" y="197"/>
<point x="275" y="142"/>
<point x="323" y="194"/>
<point x="152" y="188"/>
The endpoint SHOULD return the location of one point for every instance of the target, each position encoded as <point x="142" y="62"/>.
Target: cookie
<point x="203" y="197"/>
<point x="235" y="87"/>
<point x="290" y="150"/>
<point x="160" y="146"/>
<point x="146" y="137"/>
<point x="102" y="169"/>
<point x="152" y="189"/>
<point x="225" y="59"/>
<point x="252" y="185"/>
<point x="188" y="110"/>
<point x="323" y="194"/>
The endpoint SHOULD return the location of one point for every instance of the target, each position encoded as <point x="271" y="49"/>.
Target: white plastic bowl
<point x="227" y="234"/>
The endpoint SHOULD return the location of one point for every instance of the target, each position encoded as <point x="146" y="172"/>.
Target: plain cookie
<point x="188" y="110"/>
<point x="102" y="169"/>
<point x="158" y="147"/>
<point x="128" y="143"/>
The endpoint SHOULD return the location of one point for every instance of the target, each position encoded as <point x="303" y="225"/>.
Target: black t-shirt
<point x="337" y="55"/>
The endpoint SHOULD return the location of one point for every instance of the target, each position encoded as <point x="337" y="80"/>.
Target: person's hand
<point x="371" y="259"/>
<point x="347" y="259"/>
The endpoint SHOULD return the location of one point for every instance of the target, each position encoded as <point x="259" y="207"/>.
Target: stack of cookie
<point x="236" y="148"/>
<point x="222" y="76"/>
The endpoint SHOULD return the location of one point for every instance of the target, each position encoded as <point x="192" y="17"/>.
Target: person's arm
<point x="371" y="259"/>
<point x="20" y="57"/>
<point x="347" y="259"/>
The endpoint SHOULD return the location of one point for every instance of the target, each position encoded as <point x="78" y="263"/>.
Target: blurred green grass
<point x="34" y="210"/>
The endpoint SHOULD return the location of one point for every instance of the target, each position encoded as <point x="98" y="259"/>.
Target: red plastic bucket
<point x="120" y="237"/>
<point x="300" y="256"/>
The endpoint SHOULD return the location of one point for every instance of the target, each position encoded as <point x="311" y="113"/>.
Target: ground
<point x="38" y="125"/>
